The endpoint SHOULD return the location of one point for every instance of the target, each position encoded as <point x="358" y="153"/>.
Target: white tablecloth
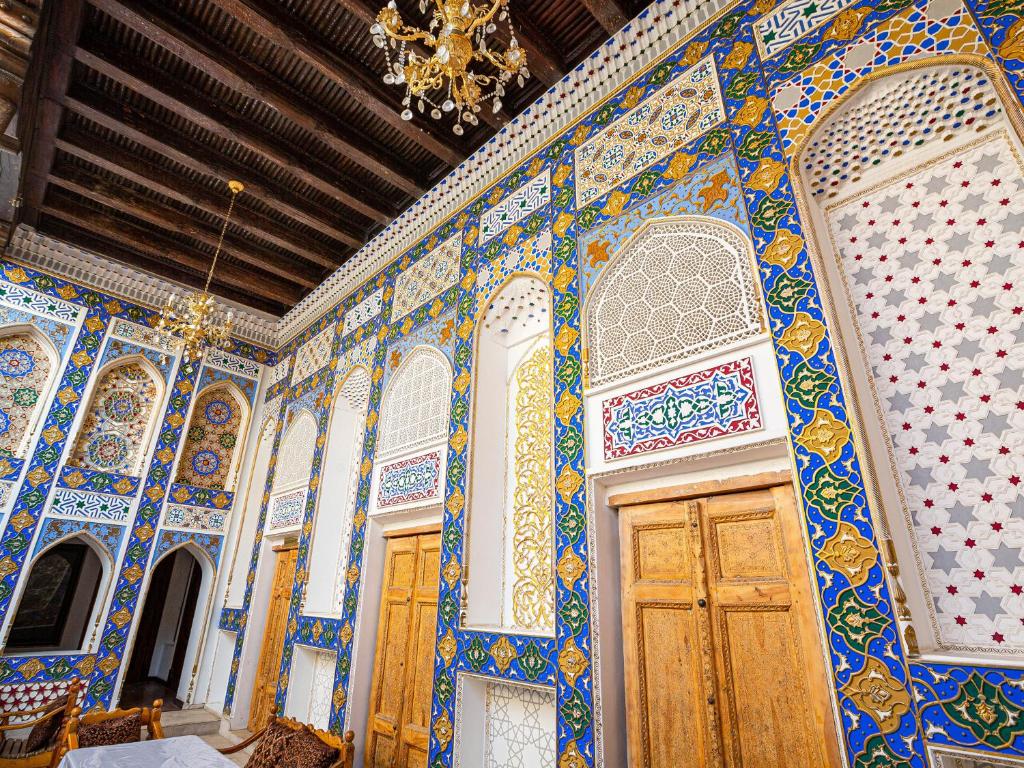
<point x="179" y="752"/>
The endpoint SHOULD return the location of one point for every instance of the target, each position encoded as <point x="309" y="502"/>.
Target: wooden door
<point x="269" y="671"/>
<point x="722" y="648"/>
<point x="399" y="724"/>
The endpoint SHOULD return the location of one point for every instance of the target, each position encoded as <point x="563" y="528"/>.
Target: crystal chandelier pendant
<point x="192" y="323"/>
<point x="440" y="66"/>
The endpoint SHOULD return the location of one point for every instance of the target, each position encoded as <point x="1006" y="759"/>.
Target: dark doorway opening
<point x="165" y="628"/>
<point x="58" y="601"/>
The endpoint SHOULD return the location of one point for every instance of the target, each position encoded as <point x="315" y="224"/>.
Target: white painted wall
<point x="170" y="618"/>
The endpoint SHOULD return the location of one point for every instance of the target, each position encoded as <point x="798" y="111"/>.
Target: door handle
<point x="702" y="603"/>
<point x="711" y="699"/>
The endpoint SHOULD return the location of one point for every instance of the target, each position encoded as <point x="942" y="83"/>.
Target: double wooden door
<point x="724" y="667"/>
<point x="399" y="724"/>
<point x="269" y="671"/>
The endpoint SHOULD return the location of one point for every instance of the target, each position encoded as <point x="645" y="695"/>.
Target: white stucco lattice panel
<point x="520" y="727"/>
<point x="295" y="457"/>
<point x="681" y="287"/>
<point x="416" y="406"/>
<point x="934" y="265"/>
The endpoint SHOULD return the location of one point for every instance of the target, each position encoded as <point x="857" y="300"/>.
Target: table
<point x="179" y="752"/>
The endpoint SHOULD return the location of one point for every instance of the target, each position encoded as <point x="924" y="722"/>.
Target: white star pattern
<point x="939" y="301"/>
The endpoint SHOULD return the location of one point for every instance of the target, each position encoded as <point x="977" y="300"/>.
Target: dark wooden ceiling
<point x="136" y="112"/>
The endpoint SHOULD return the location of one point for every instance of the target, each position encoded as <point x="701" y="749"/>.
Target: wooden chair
<point x="149" y="718"/>
<point x="16" y="753"/>
<point x="346" y="749"/>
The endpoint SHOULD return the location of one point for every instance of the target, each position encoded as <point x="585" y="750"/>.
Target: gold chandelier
<point x="457" y="35"/>
<point x="193" y="321"/>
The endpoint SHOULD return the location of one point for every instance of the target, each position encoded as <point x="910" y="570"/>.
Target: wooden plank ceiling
<point x="136" y="113"/>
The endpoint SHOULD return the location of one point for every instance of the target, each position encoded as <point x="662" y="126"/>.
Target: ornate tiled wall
<point x="105" y="497"/>
<point x="707" y="131"/>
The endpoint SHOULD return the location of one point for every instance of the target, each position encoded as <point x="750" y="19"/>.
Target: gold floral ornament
<point x="847" y="24"/>
<point x="571" y="757"/>
<point x="849" y="553"/>
<point x="784" y="249"/>
<point x="440" y="66"/>
<point x="443" y="731"/>
<point x="825" y="435"/>
<point x="803" y="335"/>
<point x="874" y="690"/>
<point x="1013" y="44"/>
<point x="572" y="661"/>
<point x="503" y="653"/>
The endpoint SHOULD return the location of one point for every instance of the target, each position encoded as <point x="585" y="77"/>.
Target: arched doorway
<point x="59" y="600"/>
<point x="167" y="620"/>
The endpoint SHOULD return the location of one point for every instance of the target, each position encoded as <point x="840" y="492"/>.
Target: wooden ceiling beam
<point x="145" y="241"/>
<point x="88" y="241"/>
<point x="114" y="160"/>
<point x="123" y="200"/>
<point x="197" y="108"/>
<point x="610" y="14"/>
<point x="39" y="123"/>
<point x="231" y="71"/>
<point x="158" y="138"/>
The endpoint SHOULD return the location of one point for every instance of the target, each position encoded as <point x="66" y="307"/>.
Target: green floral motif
<point x="33" y="497"/>
<point x="48" y="455"/>
<point x="741" y="85"/>
<point x="878" y="754"/>
<point x="661" y="74"/>
<point x="227" y="441"/>
<point x="77" y="377"/>
<point x="587" y="217"/>
<point x="26" y="397"/>
<point x="645" y="183"/>
<point x="532" y="662"/>
<point x="449" y="609"/>
<point x="462" y="355"/>
<point x="830" y="494"/>
<point x="63" y="416"/>
<point x="569" y="371"/>
<point x="572" y="524"/>
<point x="456" y="470"/>
<point x="716" y="141"/>
<point x="574" y="613"/>
<point x="444" y="687"/>
<point x="884" y="6"/>
<point x="459" y="411"/>
<point x="856" y="621"/>
<point x="567" y="307"/>
<point x="986" y="712"/>
<point x="604" y="115"/>
<point x="452" y="536"/>
<point x="769" y="212"/>
<point x="571" y="443"/>
<point x="565" y="249"/>
<point x="576" y="714"/>
<point x="753" y="144"/>
<point x="787" y="292"/>
<point x="197" y="433"/>
<point x="476" y="655"/>
<point x="800" y="57"/>
<point x="99" y="689"/>
<point x="563" y="198"/>
<point x="998" y="8"/>
<point x="807" y="384"/>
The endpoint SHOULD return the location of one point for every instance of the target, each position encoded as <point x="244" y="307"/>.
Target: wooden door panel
<point x="420" y="681"/>
<point x="269" y="670"/>
<point x="766" y="718"/>
<point x="665" y="719"/>
<point x="723" y="663"/>
<point x="398" y="733"/>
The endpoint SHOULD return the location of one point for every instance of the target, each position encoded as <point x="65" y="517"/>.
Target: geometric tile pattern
<point x="56" y="530"/>
<point x="233" y="363"/>
<point x="428" y="277"/>
<point x="26" y="299"/>
<point x="792" y="20"/>
<point x="935" y="267"/>
<point x="313" y="355"/>
<point x="286" y="510"/>
<point x="57" y="332"/>
<point x="25" y="375"/>
<point x="416" y="404"/>
<point x="699" y="406"/>
<point x="682" y="110"/>
<point x="414" y="479"/>
<point x="90" y="506"/>
<point x="362" y="313"/>
<point x="532" y="196"/>
<point x="520" y="729"/>
<point x="710" y="190"/>
<point x="195" y="518"/>
<point x="218" y="419"/>
<point x="437" y="332"/>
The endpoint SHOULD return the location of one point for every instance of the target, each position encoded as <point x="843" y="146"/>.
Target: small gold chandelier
<point x="193" y="321"/>
<point x="458" y="36"/>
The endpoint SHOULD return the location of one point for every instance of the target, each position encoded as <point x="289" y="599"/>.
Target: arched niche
<point x="213" y="443"/>
<point x="28" y="365"/>
<point x="63" y="592"/>
<point x="292" y="470"/>
<point x="511" y="504"/>
<point x="250" y="509"/>
<point x="332" y="528"/>
<point x="679" y="288"/>
<point x="911" y="186"/>
<point x="119" y="422"/>
<point x="416" y="404"/>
